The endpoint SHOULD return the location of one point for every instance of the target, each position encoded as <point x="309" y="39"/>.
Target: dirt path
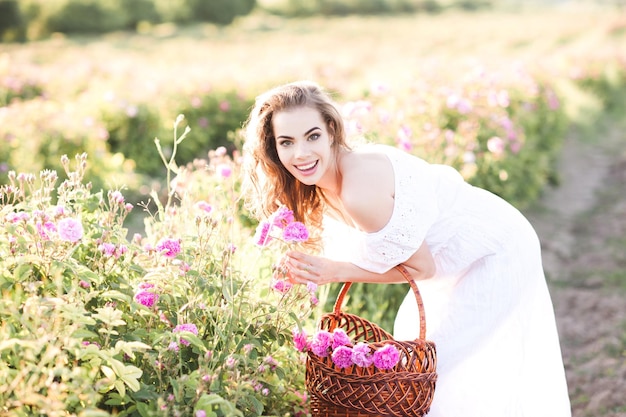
<point x="582" y="227"/>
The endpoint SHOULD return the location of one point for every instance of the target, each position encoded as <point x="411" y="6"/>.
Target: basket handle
<point x="418" y="297"/>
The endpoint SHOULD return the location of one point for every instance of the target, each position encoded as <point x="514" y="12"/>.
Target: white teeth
<point x="305" y="167"/>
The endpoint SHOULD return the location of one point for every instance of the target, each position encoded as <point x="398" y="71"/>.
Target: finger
<point x="301" y="273"/>
<point x="300" y="256"/>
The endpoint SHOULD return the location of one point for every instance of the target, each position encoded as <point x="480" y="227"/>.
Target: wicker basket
<point x="405" y="390"/>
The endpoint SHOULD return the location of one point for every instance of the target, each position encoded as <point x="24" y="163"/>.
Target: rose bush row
<point x="181" y="320"/>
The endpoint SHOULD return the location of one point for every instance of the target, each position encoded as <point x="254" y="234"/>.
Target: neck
<point x="330" y="183"/>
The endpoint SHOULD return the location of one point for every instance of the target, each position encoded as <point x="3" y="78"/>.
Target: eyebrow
<point x="305" y="133"/>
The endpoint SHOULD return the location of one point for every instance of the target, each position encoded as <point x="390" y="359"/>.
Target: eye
<point x="314" y="136"/>
<point x="285" y="143"/>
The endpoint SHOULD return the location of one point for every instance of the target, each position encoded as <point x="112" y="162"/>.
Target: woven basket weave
<point x="405" y="390"/>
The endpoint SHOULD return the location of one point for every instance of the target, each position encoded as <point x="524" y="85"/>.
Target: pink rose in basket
<point x="340" y="338"/>
<point x="362" y="355"/>
<point x="386" y="357"/>
<point x="342" y="357"/>
<point x="321" y="343"/>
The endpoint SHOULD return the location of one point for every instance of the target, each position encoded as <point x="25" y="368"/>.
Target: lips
<point x="307" y="168"/>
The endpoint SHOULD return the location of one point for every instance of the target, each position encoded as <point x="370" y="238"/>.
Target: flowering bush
<point x="281" y="227"/>
<point x="173" y="322"/>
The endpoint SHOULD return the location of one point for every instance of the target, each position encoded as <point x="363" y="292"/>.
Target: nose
<point x="302" y="149"/>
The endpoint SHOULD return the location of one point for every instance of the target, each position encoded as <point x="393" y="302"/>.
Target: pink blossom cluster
<point x="146" y="298"/>
<point x="343" y="352"/>
<point x="185" y="327"/>
<point x="168" y="247"/>
<point x="70" y="230"/>
<point x="280" y="223"/>
<point x="66" y="229"/>
<point x="111" y="250"/>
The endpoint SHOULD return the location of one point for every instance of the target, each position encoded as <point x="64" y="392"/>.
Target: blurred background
<point x="525" y="98"/>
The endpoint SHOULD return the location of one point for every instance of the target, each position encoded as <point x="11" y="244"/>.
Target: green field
<point x="74" y="93"/>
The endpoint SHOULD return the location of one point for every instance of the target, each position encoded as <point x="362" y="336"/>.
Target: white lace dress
<point x="488" y="308"/>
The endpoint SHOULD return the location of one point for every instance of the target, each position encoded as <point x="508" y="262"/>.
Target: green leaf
<point x="143" y="409"/>
<point x="84" y="334"/>
<point x="207" y="402"/>
<point x="108" y="372"/>
<point x="194" y="340"/>
<point x="116" y="295"/>
<point x="257" y="405"/>
<point x="130" y="348"/>
<point x="22" y="272"/>
<point x="109" y="316"/>
<point x="94" y="413"/>
<point x="119" y="386"/>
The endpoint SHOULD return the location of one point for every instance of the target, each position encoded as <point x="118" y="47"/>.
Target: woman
<point x="474" y="257"/>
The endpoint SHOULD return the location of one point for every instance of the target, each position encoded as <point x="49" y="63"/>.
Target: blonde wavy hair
<point x="266" y="182"/>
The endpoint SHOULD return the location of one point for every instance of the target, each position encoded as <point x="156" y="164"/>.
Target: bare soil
<point x="582" y="226"/>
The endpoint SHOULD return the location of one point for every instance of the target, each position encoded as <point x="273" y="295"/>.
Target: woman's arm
<point x="304" y="268"/>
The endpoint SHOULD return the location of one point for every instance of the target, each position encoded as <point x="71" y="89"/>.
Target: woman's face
<point x="304" y="145"/>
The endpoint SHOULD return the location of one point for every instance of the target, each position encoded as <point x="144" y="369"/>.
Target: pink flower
<point x="46" y="229"/>
<point x="300" y="340"/>
<point x="224" y="170"/>
<point x="314" y="300"/>
<point x="221" y="151"/>
<point x="342" y="356"/>
<point x="262" y="236"/>
<point x="553" y="100"/>
<point x="340" y="338"/>
<point x="121" y="249"/>
<point x="386" y="357"/>
<point x="495" y="145"/>
<point x="70" y="230"/>
<point x="282" y="217"/>
<point x="17" y="217"/>
<point x="185" y="327"/>
<point x="361" y="355"/>
<point x="203" y="205"/>
<point x="146" y="298"/>
<point x="168" y="247"/>
<point x="321" y="343"/>
<point x="273" y="363"/>
<point x="59" y="211"/>
<point x="84" y="284"/>
<point x="281" y="285"/>
<point x="116" y="197"/>
<point x="295" y="232"/>
<point x="107" y="248"/>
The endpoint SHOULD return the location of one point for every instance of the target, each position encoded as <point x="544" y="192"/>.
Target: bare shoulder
<point x="368" y="189"/>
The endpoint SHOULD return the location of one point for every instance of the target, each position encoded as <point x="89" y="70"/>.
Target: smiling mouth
<point x="307" y="167"/>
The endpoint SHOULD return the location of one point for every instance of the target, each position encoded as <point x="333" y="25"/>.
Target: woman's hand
<point x="304" y="268"/>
